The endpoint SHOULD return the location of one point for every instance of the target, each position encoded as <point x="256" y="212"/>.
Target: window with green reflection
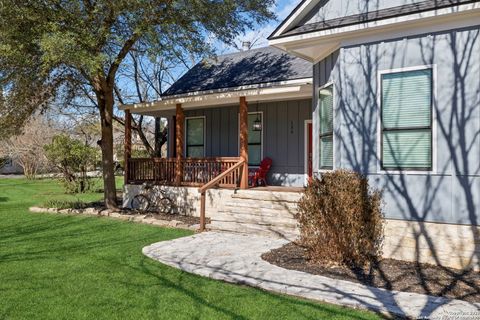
<point x="254" y="140"/>
<point x="407" y="120"/>
<point x="325" y="101"/>
<point x="195" y="143"/>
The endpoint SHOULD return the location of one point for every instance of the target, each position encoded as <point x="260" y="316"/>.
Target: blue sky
<point x="259" y="35"/>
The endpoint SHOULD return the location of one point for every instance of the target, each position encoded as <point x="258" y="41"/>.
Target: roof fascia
<point x="381" y="28"/>
<point x="300" y="11"/>
<point x="224" y="98"/>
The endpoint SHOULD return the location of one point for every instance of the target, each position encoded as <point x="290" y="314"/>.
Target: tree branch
<point x="127" y="46"/>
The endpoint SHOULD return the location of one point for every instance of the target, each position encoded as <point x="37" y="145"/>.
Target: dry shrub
<point x="341" y="219"/>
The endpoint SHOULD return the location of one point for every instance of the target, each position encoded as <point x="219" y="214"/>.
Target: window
<point x="325" y="101"/>
<point x="195" y="144"/>
<point x="255" y="148"/>
<point x="406" y="119"/>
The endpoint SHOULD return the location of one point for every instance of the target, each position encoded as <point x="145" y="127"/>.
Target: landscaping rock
<point x="153" y="219"/>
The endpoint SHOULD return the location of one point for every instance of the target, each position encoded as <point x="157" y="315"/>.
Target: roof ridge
<point x="250" y="50"/>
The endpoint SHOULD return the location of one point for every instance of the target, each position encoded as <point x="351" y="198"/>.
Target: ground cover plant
<point x="56" y="266"/>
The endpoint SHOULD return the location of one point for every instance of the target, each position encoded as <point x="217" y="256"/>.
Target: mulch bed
<point x="388" y="274"/>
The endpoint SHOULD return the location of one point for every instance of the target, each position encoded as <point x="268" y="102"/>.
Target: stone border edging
<point x="138" y="218"/>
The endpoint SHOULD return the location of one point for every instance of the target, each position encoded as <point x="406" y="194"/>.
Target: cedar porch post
<point x="244" y="141"/>
<point x="179" y="122"/>
<point x="128" y="144"/>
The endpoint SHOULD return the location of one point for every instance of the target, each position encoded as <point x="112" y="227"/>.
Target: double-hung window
<point x="254" y="139"/>
<point x="406" y="120"/>
<point x="325" y="101"/>
<point x="195" y="142"/>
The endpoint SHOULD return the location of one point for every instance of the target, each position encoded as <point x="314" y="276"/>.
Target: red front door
<point x="309" y="151"/>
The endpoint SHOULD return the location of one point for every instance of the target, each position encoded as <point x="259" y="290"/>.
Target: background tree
<point x="51" y="49"/>
<point x="74" y="159"/>
<point x="3" y="161"/>
<point x="26" y="148"/>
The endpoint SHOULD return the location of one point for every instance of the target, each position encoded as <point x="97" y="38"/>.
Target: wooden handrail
<point x="210" y="185"/>
<point x="218" y="178"/>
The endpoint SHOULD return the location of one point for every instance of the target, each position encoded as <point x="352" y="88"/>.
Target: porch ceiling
<point x="288" y="90"/>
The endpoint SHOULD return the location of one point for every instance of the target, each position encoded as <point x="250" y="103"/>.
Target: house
<point x="392" y="90"/>
<point x="8" y="166"/>
<point x="405" y="80"/>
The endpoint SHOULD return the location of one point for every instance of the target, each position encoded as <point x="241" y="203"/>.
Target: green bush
<point x="341" y="219"/>
<point x="73" y="158"/>
<point x="3" y="161"/>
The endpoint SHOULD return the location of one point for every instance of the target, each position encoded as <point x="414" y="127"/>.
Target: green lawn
<point x="71" y="267"/>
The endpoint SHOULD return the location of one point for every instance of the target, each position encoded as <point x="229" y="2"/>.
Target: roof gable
<point x="257" y="66"/>
<point x="325" y="14"/>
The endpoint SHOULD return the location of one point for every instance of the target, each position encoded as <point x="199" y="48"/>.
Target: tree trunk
<point x="105" y="104"/>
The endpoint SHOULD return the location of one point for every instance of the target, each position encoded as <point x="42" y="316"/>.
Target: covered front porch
<point x="211" y="136"/>
<point x="227" y="117"/>
<point x="180" y="168"/>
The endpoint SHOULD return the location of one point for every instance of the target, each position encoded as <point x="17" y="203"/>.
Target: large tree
<point x="50" y="48"/>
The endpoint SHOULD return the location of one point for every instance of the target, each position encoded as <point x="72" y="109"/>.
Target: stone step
<point x="292" y="197"/>
<point x="255" y="204"/>
<point x="254" y="229"/>
<point x="254" y="219"/>
<point x="257" y="212"/>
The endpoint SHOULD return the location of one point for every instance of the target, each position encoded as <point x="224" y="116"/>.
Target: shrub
<point x="65" y="204"/>
<point x="341" y="219"/>
<point x="73" y="158"/>
<point x="3" y="162"/>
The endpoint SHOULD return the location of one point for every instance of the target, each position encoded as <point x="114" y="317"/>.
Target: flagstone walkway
<point x="237" y="258"/>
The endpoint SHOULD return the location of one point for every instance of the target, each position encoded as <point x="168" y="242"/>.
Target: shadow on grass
<point x="148" y="267"/>
<point x="3" y="199"/>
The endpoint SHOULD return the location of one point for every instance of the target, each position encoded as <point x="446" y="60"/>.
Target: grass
<point x="74" y="267"/>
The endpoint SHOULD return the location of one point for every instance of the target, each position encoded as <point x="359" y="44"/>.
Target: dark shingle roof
<point x="373" y="16"/>
<point x="250" y="67"/>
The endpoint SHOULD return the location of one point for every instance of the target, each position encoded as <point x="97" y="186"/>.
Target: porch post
<point x="127" y="144"/>
<point x="244" y="141"/>
<point x="179" y="140"/>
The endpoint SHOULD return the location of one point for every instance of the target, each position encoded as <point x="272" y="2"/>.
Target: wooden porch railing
<point x="234" y="171"/>
<point x="206" y="173"/>
<point x="195" y="171"/>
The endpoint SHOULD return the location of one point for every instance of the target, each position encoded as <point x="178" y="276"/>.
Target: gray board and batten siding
<point x="283" y="136"/>
<point x="450" y="193"/>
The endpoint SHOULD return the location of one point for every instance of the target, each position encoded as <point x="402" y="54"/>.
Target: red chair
<point x="260" y="175"/>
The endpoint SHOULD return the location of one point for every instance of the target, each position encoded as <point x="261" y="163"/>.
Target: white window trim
<point x="263" y="132"/>
<point x="305" y="150"/>
<point x="433" y="67"/>
<point x="185" y="144"/>
<point x="320" y="170"/>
